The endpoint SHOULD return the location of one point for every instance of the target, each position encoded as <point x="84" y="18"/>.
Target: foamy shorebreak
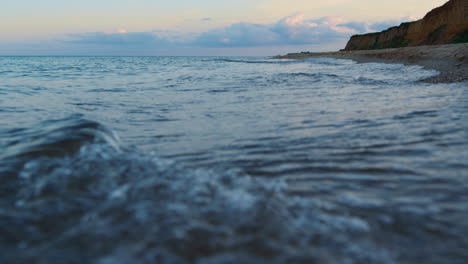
<point x="450" y="60"/>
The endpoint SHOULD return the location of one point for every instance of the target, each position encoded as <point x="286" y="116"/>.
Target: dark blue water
<point x="230" y="160"/>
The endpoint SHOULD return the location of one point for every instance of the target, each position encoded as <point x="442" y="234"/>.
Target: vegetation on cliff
<point x="461" y="38"/>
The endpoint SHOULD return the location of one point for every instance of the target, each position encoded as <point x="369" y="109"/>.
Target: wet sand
<point x="450" y="60"/>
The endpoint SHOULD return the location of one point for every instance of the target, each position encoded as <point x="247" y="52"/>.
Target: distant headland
<point x="439" y="41"/>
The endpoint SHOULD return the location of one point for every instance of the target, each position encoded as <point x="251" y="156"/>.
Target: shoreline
<point x="451" y="60"/>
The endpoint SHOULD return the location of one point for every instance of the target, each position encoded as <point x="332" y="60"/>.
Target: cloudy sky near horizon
<point x="194" y="27"/>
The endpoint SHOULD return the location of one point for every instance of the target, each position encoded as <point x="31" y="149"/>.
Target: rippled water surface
<point x="230" y="160"/>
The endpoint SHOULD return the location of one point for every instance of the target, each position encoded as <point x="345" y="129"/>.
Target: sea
<point x="230" y="160"/>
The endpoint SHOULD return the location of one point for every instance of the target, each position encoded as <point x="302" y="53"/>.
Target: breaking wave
<point x="98" y="202"/>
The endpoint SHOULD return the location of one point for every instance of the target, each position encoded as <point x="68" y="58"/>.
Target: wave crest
<point x="108" y="206"/>
<point x="55" y="138"/>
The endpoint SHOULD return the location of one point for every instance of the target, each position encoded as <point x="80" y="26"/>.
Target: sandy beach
<point x="450" y="60"/>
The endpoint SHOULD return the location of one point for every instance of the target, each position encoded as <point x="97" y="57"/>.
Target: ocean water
<point x="230" y="160"/>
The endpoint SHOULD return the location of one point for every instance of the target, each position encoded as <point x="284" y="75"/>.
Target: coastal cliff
<point x="443" y="25"/>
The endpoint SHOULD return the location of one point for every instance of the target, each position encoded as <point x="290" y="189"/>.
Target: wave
<point x="320" y="61"/>
<point x="72" y="192"/>
<point x="317" y="75"/>
<point x="260" y="61"/>
<point x="79" y="197"/>
<point x="58" y="137"/>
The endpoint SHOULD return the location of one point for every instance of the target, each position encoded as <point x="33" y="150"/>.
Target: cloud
<point x="122" y="38"/>
<point x="366" y="27"/>
<point x="296" y="30"/>
<point x="292" y="30"/>
<point x="236" y="35"/>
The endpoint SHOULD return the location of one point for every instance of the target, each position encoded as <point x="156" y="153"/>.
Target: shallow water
<point x="230" y="160"/>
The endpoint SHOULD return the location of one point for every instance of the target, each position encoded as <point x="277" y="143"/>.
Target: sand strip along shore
<point x="450" y="60"/>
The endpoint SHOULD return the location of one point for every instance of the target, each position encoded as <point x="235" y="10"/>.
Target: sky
<point x="194" y="27"/>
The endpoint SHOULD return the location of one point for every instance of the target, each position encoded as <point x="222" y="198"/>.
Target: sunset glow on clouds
<point x="154" y="27"/>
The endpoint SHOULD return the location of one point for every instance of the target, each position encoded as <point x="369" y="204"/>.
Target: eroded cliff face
<point x="443" y="25"/>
